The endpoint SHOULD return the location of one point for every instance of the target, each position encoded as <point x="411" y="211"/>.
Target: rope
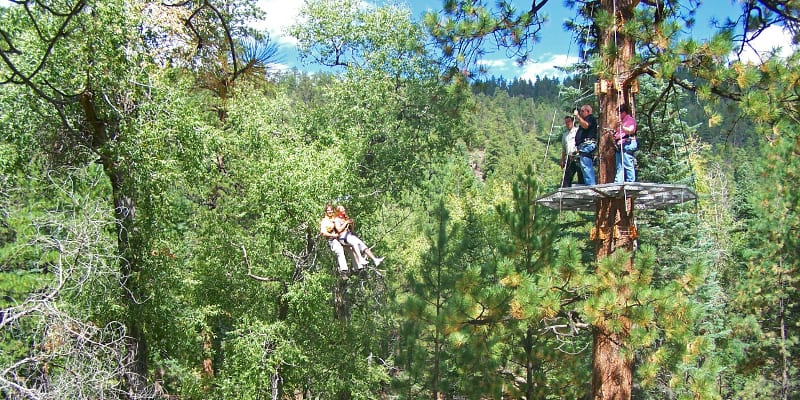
<point x="688" y="152"/>
<point x="617" y="78"/>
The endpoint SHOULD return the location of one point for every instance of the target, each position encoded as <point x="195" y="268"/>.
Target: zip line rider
<point x="327" y="228"/>
<point x="344" y="225"/>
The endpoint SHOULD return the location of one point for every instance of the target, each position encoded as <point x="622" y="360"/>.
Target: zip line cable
<point x="687" y="150"/>
<point x="581" y="96"/>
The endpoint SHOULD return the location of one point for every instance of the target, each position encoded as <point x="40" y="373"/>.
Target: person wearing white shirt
<point x="570" y="163"/>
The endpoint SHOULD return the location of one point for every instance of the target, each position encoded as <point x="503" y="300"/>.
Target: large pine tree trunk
<point x="612" y="375"/>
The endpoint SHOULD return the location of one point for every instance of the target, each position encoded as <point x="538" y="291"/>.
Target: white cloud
<point x="281" y="14"/>
<point x="495" y="64"/>
<point x="547" y="67"/>
<point x="774" y="37"/>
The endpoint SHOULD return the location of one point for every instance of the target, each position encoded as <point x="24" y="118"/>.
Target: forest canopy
<point x="162" y="186"/>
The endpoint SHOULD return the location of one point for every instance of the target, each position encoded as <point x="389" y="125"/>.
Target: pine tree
<point x="431" y="292"/>
<point x="537" y="290"/>
<point x="765" y="293"/>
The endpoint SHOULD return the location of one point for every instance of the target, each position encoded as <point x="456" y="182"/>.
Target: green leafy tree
<point x="356" y="138"/>
<point x="89" y="76"/>
<point x="391" y="102"/>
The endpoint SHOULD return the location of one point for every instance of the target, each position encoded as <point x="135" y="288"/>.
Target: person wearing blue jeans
<point x="625" y="138"/>
<point x="586" y="142"/>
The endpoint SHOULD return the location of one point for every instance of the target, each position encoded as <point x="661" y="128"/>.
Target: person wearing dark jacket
<point x="586" y="142"/>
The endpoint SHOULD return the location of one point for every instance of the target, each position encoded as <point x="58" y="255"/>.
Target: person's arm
<point x="582" y="122"/>
<point x="324" y="231"/>
<point x="629" y="128"/>
<point x="340" y="224"/>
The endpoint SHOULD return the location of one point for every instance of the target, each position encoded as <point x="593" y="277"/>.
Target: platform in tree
<point x="645" y="196"/>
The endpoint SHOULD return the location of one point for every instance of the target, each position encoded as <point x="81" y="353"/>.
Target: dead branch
<point x="256" y="277"/>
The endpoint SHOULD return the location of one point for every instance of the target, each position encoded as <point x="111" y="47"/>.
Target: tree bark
<point x="612" y="369"/>
<point x="612" y="376"/>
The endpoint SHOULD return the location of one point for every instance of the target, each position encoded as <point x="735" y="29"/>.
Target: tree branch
<point x="51" y="42"/>
<point x="256" y="277"/>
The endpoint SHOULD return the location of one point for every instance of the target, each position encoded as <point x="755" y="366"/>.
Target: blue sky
<point x="550" y="52"/>
<point x="553" y="50"/>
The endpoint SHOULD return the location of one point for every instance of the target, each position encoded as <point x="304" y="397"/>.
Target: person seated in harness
<point x="586" y="142"/>
<point x="327" y="229"/>
<point x="344" y="226"/>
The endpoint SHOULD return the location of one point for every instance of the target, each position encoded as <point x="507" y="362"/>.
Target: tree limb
<point x="256" y="277"/>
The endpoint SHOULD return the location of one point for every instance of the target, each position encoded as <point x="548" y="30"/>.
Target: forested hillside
<point x="162" y="187"/>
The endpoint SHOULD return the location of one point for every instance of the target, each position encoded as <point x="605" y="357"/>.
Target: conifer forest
<point x="163" y="183"/>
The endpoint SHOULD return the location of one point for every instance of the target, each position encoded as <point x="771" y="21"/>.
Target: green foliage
<point x="538" y="287"/>
<point x="765" y="292"/>
<point x="457" y="26"/>
<point x="516" y="133"/>
<point x="389" y="105"/>
<point x="222" y="278"/>
<point x="430" y="308"/>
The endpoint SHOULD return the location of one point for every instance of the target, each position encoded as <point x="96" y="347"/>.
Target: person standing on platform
<point x="586" y="142"/>
<point x="570" y="164"/>
<point x="625" y="139"/>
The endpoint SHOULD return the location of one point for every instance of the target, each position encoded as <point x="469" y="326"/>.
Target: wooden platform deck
<point x="645" y="196"/>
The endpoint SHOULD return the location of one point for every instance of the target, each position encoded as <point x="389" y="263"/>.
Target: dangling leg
<point x="376" y="260"/>
<point x="356" y="257"/>
<point x="338" y="250"/>
<point x="358" y="247"/>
